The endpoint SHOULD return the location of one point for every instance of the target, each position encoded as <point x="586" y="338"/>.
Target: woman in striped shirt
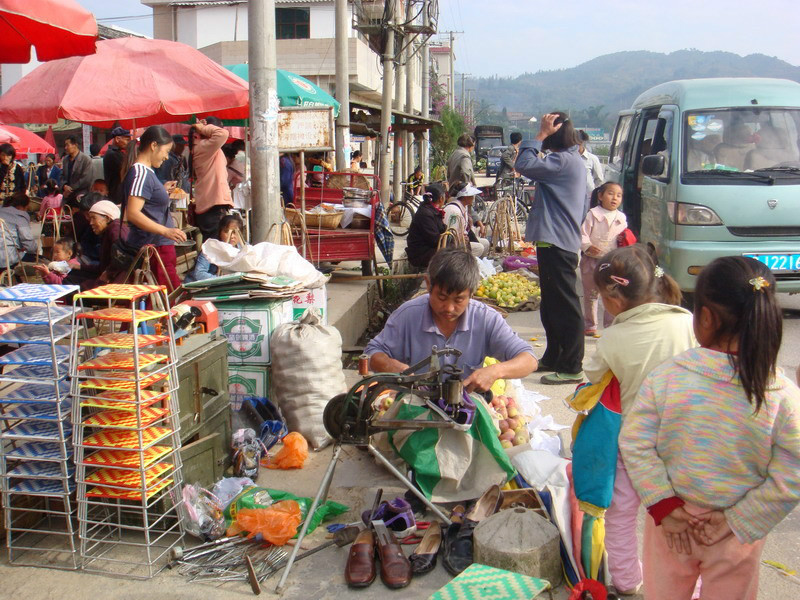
<point x="146" y="206"/>
<point x="712" y="443"/>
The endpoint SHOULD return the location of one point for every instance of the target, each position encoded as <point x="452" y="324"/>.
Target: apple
<point x="513" y="422"/>
<point x="511" y="403"/>
<point x="520" y="439"/>
<point x="503" y="412"/>
<point x="506" y="444"/>
<point x="512" y="411"/>
<point x="507" y="435"/>
<point x="504" y="426"/>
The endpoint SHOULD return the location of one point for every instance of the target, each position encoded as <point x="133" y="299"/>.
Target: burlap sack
<point x="306" y="373"/>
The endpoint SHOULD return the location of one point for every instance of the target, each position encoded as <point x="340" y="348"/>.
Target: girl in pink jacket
<point x="599" y="233"/>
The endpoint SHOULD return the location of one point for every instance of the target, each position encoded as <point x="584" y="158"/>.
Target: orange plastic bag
<point x="277" y="524"/>
<point x="292" y="456"/>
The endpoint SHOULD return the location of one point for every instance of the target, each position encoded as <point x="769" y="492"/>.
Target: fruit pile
<point x="513" y="425"/>
<point x="508" y="289"/>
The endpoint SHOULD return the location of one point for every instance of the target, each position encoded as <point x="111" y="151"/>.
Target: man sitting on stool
<point x="448" y="316"/>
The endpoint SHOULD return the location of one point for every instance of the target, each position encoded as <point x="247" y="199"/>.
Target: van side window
<point x="619" y="146"/>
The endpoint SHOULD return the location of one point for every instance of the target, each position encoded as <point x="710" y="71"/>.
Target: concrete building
<point x="305" y="40"/>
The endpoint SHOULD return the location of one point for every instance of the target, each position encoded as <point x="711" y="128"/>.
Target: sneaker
<point x="396" y="515"/>
<point x="562" y="378"/>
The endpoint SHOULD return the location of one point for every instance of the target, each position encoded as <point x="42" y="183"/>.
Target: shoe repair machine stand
<point x="350" y="420"/>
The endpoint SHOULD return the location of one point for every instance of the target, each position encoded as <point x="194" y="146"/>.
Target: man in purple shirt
<point x="448" y="316"/>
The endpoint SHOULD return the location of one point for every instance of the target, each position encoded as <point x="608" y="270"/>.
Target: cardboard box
<point x="248" y="326"/>
<point x="317" y="298"/>
<point x="247" y="380"/>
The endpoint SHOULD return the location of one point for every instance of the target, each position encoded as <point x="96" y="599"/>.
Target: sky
<point x="511" y="37"/>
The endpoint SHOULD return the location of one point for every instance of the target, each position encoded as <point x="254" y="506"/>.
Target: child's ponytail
<point x="630" y="273"/>
<point x="740" y="291"/>
<point x="668" y="290"/>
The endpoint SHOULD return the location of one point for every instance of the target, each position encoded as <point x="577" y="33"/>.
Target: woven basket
<point x="330" y="220"/>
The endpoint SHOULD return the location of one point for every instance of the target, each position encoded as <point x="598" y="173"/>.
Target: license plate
<point x="779" y="263"/>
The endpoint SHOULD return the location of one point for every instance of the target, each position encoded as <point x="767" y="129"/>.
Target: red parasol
<point x="56" y="28"/>
<point x="6" y="137"/>
<point x="27" y="141"/>
<point x="133" y="81"/>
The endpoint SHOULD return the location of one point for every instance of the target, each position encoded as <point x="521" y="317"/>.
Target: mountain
<point x="613" y="81"/>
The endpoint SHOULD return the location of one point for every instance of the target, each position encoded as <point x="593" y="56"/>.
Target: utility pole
<point x="424" y="150"/>
<point x="452" y="86"/>
<point x="399" y="100"/>
<point x="386" y="106"/>
<point x="265" y="178"/>
<point x="408" y="138"/>
<point x="463" y="97"/>
<point x="342" y="86"/>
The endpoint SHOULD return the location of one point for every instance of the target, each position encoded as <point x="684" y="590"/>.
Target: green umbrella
<point x="294" y="90"/>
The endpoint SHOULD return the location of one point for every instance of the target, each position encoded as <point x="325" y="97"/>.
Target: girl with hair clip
<point x="648" y="328"/>
<point x="712" y="442"/>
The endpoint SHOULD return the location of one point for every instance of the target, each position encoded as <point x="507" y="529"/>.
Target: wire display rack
<point x="36" y="467"/>
<point x="127" y="438"/>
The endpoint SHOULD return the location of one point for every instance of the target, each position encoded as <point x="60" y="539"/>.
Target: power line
<point x="126" y="18"/>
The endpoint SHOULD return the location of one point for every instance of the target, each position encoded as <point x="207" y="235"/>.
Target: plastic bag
<point x="201" y="512"/>
<point x="276" y="524"/>
<point x="227" y="488"/>
<point x="258" y="497"/>
<point x="292" y="456"/>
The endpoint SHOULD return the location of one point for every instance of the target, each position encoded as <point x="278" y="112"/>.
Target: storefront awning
<point x="402" y="120"/>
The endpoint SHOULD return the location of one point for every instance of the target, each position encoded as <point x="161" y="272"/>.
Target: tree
<point x="445" y="136"/>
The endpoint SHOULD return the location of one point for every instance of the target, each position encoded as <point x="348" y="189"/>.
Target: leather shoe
<point x="423" y="559"/>
<point x="360" y="569"/>
<point x="458" y="543"/>
<point x="395" y="568"/>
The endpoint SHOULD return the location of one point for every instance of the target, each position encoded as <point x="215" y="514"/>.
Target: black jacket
<point x="423" y="235"/>
<point x="113" y="162"/>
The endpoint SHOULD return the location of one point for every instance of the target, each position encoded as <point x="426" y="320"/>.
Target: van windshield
<point x="497" y="151"/>
<point x="723" y="142"/>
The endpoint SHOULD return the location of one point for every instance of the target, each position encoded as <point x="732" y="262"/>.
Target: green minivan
<point x="710" y="168"/>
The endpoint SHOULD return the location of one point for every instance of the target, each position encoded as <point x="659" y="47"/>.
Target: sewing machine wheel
<point x="332" y="416"/>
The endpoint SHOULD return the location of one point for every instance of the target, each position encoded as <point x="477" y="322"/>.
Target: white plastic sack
<point x="486" y="268"/>
<point x="265" y="258"/>
<point x="306" y="373"/>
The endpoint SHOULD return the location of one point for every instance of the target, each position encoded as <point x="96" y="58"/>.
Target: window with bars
<point x="292" y="23"/>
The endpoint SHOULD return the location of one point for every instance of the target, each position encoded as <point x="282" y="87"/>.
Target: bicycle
<point x="515" y="189"/>
<point x="401" y="212"/>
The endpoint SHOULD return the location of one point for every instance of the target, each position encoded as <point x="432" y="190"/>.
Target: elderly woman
<point x="104" y="220"/>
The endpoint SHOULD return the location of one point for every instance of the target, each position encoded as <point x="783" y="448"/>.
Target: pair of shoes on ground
<point x="591" y="333"/>
<point x="397" y="515"/>
<point x="371" y="546"/>
<point x="557" y="378"/>
<point x="458" y="542"/>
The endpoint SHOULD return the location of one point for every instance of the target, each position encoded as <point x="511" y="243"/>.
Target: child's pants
<point x="729" y="568"/>
<point x="622" y="546"/>
<point x="591" y="296"/>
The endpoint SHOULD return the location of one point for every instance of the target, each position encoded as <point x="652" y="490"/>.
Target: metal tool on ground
<point x="349" y="420"/>
<point x="179" y="554"/>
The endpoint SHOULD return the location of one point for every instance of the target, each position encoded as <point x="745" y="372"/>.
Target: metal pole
<point x="426" y="99"/>
<point x="386" y="109"/>
<point x="342" y="86"/>
<point x="398" y="174"/>
<point x="452" y="84"/>
<point x="303" y="201"/>
<point x="265" y="178"/>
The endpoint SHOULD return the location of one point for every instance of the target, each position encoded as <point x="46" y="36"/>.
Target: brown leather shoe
<point x="360" y="569"/>
<point x="395" y="567"/>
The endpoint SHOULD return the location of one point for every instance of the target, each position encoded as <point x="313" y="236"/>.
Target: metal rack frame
<point x="126" y="432"/>
<point x="36" y="467"/>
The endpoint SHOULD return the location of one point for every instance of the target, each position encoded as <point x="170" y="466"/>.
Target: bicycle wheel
<point x="521" y="211"/>
<point x="400" y="215"/>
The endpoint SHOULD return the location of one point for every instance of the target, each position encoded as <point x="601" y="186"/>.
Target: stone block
<point x="521" y="541"/>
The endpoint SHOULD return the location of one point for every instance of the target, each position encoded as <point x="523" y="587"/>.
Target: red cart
<point x="336" y="245"/>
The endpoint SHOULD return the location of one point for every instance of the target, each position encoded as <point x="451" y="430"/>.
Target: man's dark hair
<point x="71" y="139"/>
<point x="564" y="138"/>
<point x="18" y="200"/>
<point x="88" y="200"/>
<point x="516" y="137"/>
<point x="356" y="155"/>
<point x="53" y="156"/>
<point x="94" y="149"/>
<point x="454" y="271"/>
<point x="583" y="136"/>
<point x="215" y="121"/>
<point x="466" y="141"/>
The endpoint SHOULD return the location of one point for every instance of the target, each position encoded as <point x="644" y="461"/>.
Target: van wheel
<point x="687" y="301"/>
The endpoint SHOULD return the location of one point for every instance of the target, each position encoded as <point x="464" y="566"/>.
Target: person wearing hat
<point x="104" y="220"/>
<point x="457" y="217"/>
<point x="175" y="168"/>
<point x="114" y="162"/>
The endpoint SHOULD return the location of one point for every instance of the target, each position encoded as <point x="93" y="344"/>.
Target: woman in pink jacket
<point x="212" y="194"/>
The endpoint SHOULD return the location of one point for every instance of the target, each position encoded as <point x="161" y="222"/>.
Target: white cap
<point x="105" y="208"/>
<point x="470" y="190"/>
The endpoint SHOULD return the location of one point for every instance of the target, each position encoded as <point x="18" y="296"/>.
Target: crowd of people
<point x="106" y="208"/>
